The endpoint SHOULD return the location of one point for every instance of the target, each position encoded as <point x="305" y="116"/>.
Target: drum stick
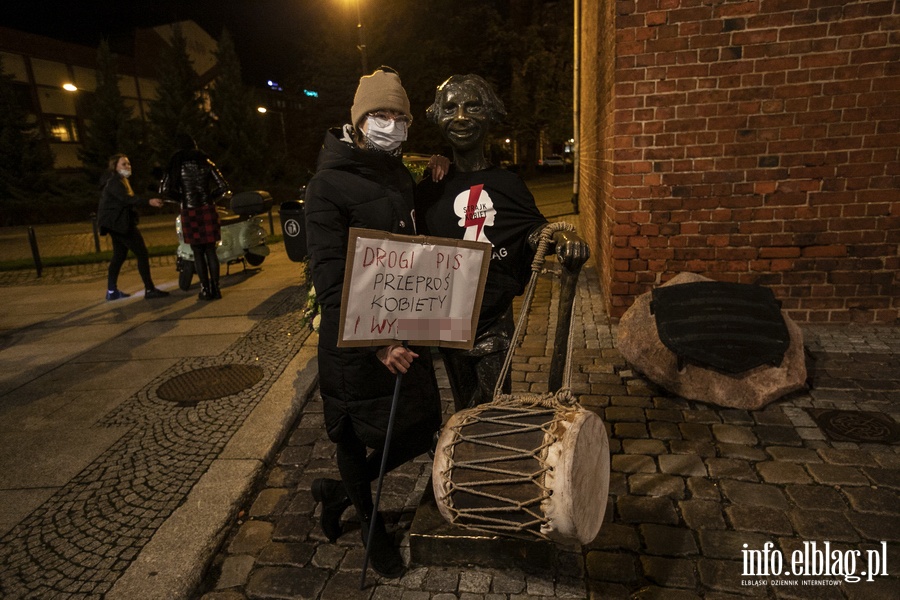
<point x="384" y="456"/>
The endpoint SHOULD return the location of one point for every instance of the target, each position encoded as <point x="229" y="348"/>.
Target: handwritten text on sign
<point x="411" y="288"/>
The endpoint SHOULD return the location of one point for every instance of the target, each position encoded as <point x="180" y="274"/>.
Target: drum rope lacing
<point x="510" y="408"/>
<point x="488" y="518"/>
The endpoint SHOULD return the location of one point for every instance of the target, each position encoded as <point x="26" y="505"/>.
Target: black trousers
<point x="122" y="243"/>
<point x="206" y="263"/>
<point x="359" y="467"/>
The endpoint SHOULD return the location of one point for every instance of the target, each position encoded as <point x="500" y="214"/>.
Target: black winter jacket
<point x="361" y="188"/>
<point x="116" y="211"/>
<point x="192" y="179"/>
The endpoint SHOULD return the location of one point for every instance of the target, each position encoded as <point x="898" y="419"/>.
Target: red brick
<point x="776" y="6"/>
<point x="848" y="277"/>
<point x="821" y="303"/>
<point x="815" y="251"/>
<point x="782" y="264"/>
<point x="875" y="55"/>
<point x="803" y="32"/>
<point x="779" y="252"/>
<point x="655" y="18"/>
<point x="831" y="59"/>
<point x="886" y="316"/>
<point x="624" y="253"/>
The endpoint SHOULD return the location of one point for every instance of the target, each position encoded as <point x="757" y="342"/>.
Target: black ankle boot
<point x="214" y="291"/>
<point x="204" y="293"/>
<point x="333" y="496"/>
<point x="384" y="556"/>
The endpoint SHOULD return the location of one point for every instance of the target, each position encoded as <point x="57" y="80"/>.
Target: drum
<point x="533" y="470"/>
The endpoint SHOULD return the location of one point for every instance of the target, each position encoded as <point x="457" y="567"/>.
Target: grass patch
<point x="81" y="259"/>
<point x="97" y="257"/>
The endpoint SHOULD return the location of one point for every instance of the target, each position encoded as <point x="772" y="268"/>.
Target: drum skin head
<point x="577" y="453"/>
<point x="579" y="480"/>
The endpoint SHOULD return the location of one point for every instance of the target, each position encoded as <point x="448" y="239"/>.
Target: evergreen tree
<point x="239" y="144"/>
<point x="541" y="65"/>
<point x="25" y="160"/>
<point x="107" y="124"/>
<point x="450" y="37"/>
<point x="329" y="63"/>
<point x="179" y="104"/>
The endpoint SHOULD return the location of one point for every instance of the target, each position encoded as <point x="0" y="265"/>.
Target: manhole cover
<point x="857" y="426"/>
<point x="209" y="383"/>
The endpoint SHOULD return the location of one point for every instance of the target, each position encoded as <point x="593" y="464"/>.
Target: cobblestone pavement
<point x="694" y="489"/>
<point x="78" y="543"/>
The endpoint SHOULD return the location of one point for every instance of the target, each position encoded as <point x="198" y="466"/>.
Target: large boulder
<point x="638" y="341"/>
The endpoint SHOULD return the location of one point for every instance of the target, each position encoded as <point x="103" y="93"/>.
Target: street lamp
<point x="362" y="43"/>
<point x="263" y="110"/>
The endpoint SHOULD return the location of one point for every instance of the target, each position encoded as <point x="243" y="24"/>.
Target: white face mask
<point x="387" y="137"/>
<point x="126" y="173"/>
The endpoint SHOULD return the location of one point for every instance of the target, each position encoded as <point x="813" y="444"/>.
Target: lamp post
<point x="263" y="110"/>
<point x="362" y="43"/>
<point x="67" y="128"/>
<point x="71" y="88"/>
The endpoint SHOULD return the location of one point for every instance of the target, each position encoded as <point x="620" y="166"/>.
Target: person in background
<point x="478" y="201"/>
<point x="193" y="179"/>
<point x="117" y="217"/>
<point x="361" y="181"/>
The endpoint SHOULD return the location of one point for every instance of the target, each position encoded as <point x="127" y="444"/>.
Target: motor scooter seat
<point x="232" y="219"/>
<point x="251" y="202"/>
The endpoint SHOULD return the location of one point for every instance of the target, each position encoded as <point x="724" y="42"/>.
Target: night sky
<point x="265" y="31"/>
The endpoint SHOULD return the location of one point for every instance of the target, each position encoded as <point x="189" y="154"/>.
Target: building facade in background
<point x="54" y="78"/>
<point x="753" y="141"/>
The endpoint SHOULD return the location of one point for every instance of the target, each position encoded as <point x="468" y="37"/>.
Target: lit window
<point x="62" y="129"/>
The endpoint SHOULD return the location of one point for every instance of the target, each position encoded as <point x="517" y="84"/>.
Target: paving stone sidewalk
<point x="694" y="490"/>
<point x="116" y="479"/>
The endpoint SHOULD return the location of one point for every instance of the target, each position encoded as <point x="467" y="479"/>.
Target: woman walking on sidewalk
<point x="117" y="217"/>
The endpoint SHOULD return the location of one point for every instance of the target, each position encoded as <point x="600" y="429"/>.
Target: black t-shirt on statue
<point x="491" y="206"/>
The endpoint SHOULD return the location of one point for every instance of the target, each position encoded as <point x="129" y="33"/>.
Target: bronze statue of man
<point x="482" y="202"/>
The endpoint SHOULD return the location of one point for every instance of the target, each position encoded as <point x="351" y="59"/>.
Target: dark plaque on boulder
<point x="729" y="327"/>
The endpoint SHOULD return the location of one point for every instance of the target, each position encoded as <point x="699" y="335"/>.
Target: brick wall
<point x="750" y="141"/>
<point x="596" y="180"/>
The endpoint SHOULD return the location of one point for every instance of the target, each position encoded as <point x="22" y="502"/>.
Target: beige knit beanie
<point x="380" y="90"/>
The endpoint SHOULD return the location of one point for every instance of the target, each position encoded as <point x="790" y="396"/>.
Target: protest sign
<point x="418" y="289"/>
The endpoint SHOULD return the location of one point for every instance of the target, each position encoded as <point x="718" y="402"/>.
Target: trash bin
<point x="293" y="228"/>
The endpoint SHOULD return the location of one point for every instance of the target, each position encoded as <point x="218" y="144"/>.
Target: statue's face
<point x="463" y="119"/>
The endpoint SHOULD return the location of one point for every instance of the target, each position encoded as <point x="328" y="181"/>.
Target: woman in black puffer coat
<point x="361" y="181"/>
<point x="194" y="180"/>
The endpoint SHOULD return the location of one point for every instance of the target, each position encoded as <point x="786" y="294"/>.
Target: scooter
<point x="243" y="238"/>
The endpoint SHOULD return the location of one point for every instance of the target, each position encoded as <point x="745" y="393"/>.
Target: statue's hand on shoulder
<point x="439" y="166"/>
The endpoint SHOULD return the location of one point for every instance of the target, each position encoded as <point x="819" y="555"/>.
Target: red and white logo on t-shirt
<point x="475" y="210"/>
